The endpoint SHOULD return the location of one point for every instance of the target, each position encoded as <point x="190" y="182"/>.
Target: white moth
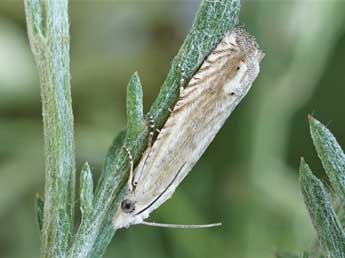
<point x="203" y="106"/>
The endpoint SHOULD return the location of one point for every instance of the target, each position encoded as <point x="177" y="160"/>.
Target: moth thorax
<point x="127" y="206"/>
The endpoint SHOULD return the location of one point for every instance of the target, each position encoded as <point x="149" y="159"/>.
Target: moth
<point x="204" y="104"/>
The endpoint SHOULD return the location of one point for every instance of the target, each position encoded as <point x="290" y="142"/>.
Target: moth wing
<point x="139" y="170"/>
<point x="148" y="201"/>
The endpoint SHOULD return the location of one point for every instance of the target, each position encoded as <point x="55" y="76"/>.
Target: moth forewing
<point x="203" y="106"/>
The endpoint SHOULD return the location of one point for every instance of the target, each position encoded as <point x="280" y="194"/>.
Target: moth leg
<point x="140" y="168"/>
<point x="152" y="129"/>
<point x="131" y="162"/>
<point x="182" y="74"/>
<point x="141" y="165"/>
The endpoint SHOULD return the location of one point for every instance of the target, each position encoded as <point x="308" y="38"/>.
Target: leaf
<point x="325" y="221"/>
<point x="112" y="152"/>
<point x="86" y="192"/>
<point x="39" y="207"/>
<point x="135" y="115"/>
<point x="35" y="15"/>
<point x="213" y="20"/>
<point x="209" y="27"/>
<point x="330" y="154"/>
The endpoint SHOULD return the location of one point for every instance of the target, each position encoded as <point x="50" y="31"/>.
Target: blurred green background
<point x="247" y="178"/>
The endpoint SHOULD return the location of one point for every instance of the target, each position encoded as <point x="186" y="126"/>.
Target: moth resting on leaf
<point x="203" y="106"/>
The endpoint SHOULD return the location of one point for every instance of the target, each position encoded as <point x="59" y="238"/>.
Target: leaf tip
<point x="302" y="162"/>
<point x="86" y="166"/>
<point x="135" y="80"/>
<point x="313" y="122"/>
<point x="304" y="170"/>
<point x="86" y="191"/>
<point x="135" y="75"/>
<point x="38" y="196"/>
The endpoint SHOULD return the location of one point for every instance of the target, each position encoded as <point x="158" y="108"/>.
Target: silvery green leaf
<point x="86" y="192"/>
<point x="112" y="152"/>
<point x="39" y="207"/>
<point x="325" y="221"/>
<point x="213" y="20"/>
<point x="135" y="115"/>
<point x="330" y="154"/>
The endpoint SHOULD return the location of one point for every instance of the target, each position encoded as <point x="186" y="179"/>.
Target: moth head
<point x="244" y="66"/>
<point x="124" y="215"/>
<point x="249" y="48"/>
<point x="128" y="213"/>
<point x="127" y="206"/>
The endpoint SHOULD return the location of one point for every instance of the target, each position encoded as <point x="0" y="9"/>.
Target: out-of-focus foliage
<point x="247" y="178"/>
<point x="286" y="255"/>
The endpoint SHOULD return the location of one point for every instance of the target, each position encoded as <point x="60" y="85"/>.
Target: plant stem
<point x="48" y="29"/>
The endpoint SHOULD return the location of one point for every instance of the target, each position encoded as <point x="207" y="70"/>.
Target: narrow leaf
<point x="213" y="20"/>
<point x="113" y="150"/>
<point x="86" y="191"/>
<point x="64" y="228"/>
<point x="330" y="154"/>
<point x="39" y="207"/>
<point x="135" y="115"/>
<point x="326" y="224"/>
<point x="35" y="15"/>
<point x="104" y="238"/>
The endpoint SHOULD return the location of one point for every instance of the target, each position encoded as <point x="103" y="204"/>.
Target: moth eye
<point x="127" y="206"/>
<point x="239" y="65"/>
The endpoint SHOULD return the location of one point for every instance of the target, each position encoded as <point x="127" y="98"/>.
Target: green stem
<point x="48" y="29"/>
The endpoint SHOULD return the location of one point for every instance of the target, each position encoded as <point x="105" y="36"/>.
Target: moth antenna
<point x="154" y="224"/>
<point x="152" y="130"/>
